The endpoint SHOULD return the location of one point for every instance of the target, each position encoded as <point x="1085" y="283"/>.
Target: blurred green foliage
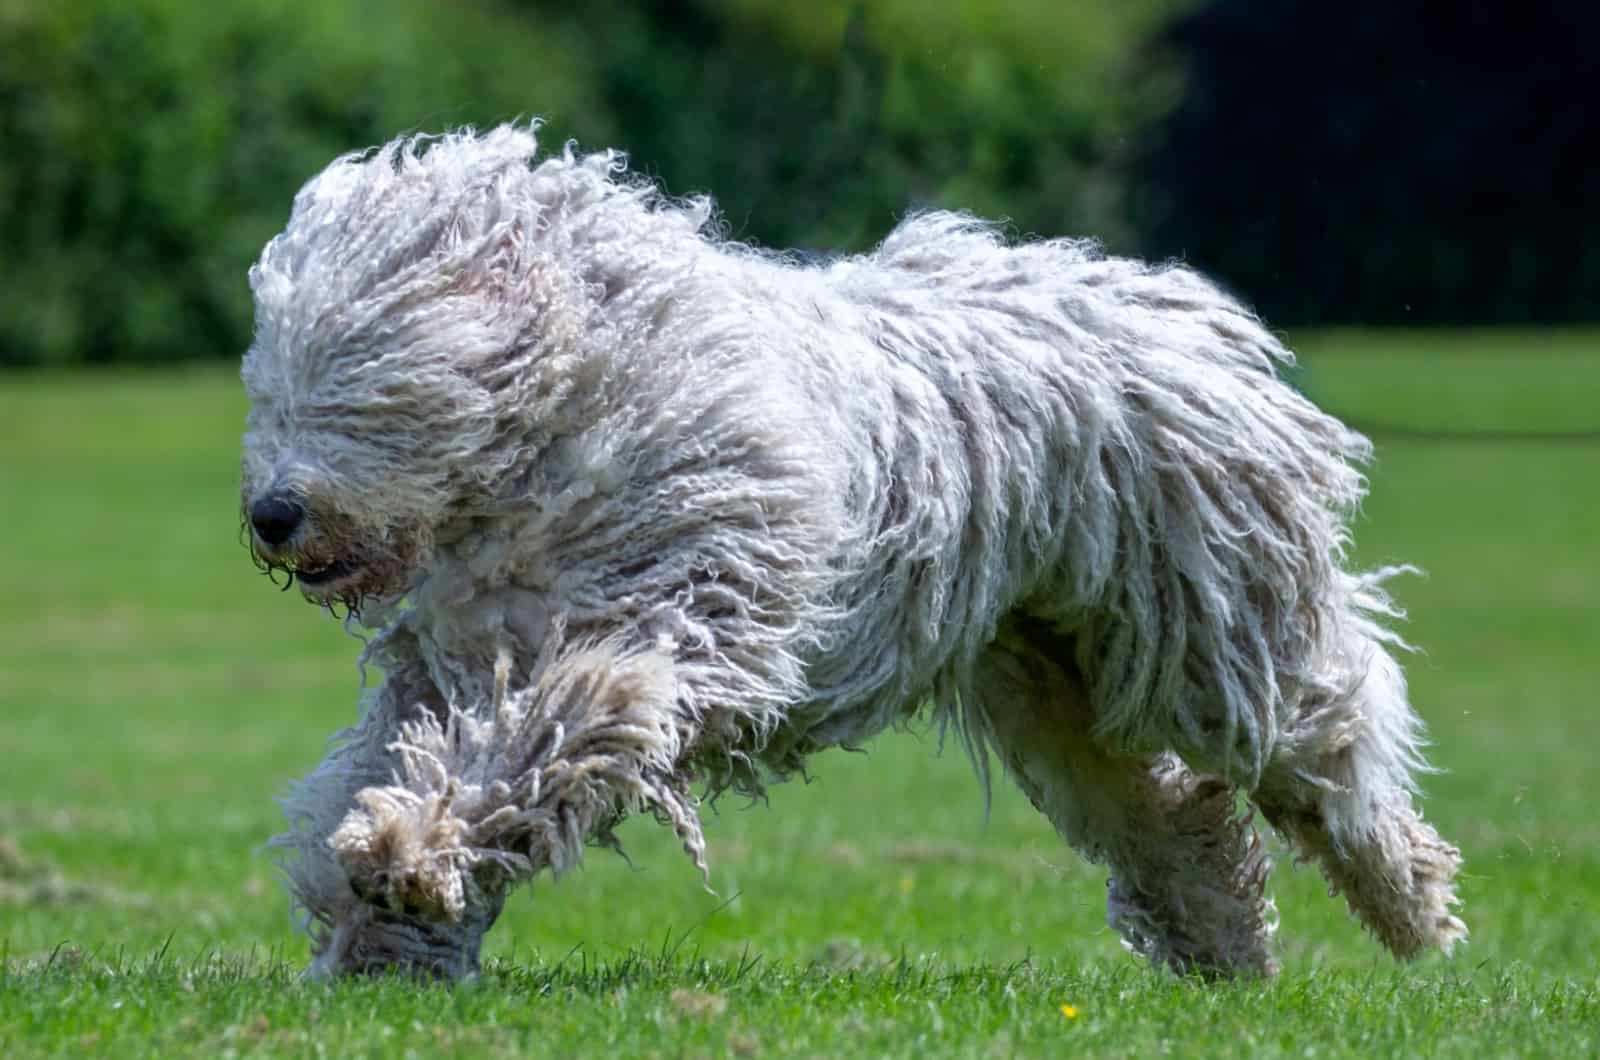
<point x="1354" y="162"/>
<point x="148" y="148"/>
<point x="818" y="125"/>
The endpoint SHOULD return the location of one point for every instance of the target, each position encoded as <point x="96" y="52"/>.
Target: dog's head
<point x="433" y="316"/>
<point x="396" y="316"/>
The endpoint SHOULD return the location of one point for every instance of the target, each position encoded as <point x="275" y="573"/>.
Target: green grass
<point x="155" y="694"/>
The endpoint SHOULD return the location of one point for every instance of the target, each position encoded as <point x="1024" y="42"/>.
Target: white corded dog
<point x="628" y="509"/>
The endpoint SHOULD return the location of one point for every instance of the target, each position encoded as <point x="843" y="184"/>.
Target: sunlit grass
<point x="156" y="693"/>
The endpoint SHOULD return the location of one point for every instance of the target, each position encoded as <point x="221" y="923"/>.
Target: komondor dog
<point x="628" y="512"/>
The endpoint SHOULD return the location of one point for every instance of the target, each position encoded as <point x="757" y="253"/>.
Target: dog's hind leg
<point x="1188" y="872"/>
<point x="1338" y="786"/>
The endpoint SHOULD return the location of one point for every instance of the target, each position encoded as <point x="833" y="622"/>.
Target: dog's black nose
<point x="275" y="518"/>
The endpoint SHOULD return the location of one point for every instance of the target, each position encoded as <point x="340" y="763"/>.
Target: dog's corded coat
<point x="630" y="508"/>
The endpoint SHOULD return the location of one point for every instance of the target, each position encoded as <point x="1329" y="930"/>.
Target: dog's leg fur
<point x="415" y="828"/>
<point x="357" y="920"/>
<point x="372" y="921"/>
<point x="1188" y="873"/>
<point x="1339" y="787"/>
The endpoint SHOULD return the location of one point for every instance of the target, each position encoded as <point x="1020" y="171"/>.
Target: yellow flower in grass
<point x="1068" y="1011"/>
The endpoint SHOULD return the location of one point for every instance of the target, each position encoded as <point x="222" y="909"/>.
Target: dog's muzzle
<point x="281" y="525"/>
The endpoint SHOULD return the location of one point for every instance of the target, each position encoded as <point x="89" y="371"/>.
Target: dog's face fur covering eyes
<point x="384" y="375"/>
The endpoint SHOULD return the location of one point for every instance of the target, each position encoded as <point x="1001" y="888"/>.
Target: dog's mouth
<point x="333" y="568"/>
<point x="330" y="574"/>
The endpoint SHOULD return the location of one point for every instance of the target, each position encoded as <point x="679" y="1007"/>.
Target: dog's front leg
<point x="364" y="903"/>
<point x="460" y="802"/>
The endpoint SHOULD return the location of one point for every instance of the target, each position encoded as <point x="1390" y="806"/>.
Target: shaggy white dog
<point x="628" y="509"/>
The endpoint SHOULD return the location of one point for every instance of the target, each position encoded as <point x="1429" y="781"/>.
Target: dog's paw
<point x="403" y="853"/>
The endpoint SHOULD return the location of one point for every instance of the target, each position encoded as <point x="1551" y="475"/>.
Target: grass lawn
<point x="155" y="693"/>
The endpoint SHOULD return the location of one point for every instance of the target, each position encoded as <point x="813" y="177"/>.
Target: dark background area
<point x="1359" y="162"/>
<point x="1400" y="163"/>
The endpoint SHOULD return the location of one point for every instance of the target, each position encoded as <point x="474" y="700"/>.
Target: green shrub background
<point x="148" y="148"/>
